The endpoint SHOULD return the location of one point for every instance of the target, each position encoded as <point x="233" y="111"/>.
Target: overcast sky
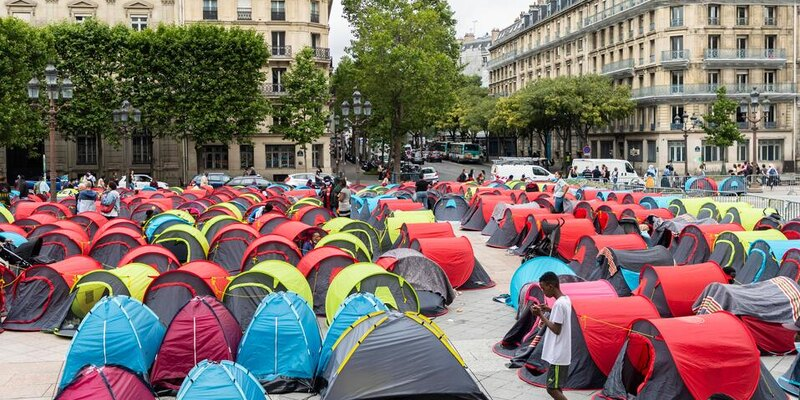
<point x="480" y="16"/>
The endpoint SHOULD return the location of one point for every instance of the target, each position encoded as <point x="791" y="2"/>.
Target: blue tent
<point x="653" y="202"/>
<point x="281" y="346"/>
<point x="118" y="330"/>
<point x="351" y="310"/>
<point x="733" y="184"/>
<point x="224" y="380"/>
<point x="531" y="271"/>
<point x="15" y="238"/>
<point x="162" y="221"/>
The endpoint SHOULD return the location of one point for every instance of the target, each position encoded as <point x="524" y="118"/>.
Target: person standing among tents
<point x="86" y="198"/>
<point x="422" y="192"/>
<point x="344" y="199"/>
<point x="463" y="176"/>
<point x="109" y="203"/>
<point x="557" y="345"/>
<point x="5" y="192"/>
<point x="560" y="191"/>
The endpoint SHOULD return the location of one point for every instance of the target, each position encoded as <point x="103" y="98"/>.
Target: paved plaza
<point x="31" y="362"/>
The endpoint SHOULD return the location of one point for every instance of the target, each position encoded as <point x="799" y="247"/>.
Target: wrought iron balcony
<point x="278" y="15"/>
<point x="274" y="89"/>
<point x="322" y="53"/>
<point x="676" y="22"/>
<point x="209" y="14"/>
<point x="619" y="68"/>
<point x="745" y="57"/>
<point x="713" y="20"/>
<point x="282" y="51"/>
<point x="244" y="13"/>
<point x="315" y="18"/>
<point x="675" y="58"/>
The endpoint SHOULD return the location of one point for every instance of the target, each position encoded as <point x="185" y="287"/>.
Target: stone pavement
<point x="31" y="362"/>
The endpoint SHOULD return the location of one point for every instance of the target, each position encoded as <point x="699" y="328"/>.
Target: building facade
<point x="475" y="56"/>
<point x="674" y="55"/>
<point x="288" y="26"/>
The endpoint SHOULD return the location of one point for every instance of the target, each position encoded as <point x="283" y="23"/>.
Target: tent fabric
<point x="426" y="277"/>
<point x="499" y="213"/>
<point x="767" y="305"/>
<point x="270" y="247"/>
<point x="153" y="226"/>
<point x="129" y="280"/>
<point x="687" y="357"/>
<point x="733" y="184"/>
<point x="365" y="232"/>
<point x="118" y="330"/>
<point x="480" y="211"/>
<point x="409" y="232"/>
<point x="399" y="218"/>
<point x="690" y="206"/>
<point x="246" y="290"/>
<point x="172" y="289"/>
<point x="155" y="256"/>
<point x="223" y="380"/>
<point x="584" y="260"/>
<point x="203" y="329"/>
<point x="39" y="299"/>
<point x="353" y="308"/>
<point x="229" y="244"/>
<point x="106" y="382"/>
<point x="764" y="261"/>
<point x="320" y="266"/>
<point x="790" y="265"/>
<point x="623" y="267"/>
<point x="569" y="234"/>
<point x="209" y="228"/>
<point x="597" y="340"/>
<point x="391" y="289"/>
<point x="115" y="243"/>
<point x="730" y="248"/>
<point x="60" y="244"/>
<point x="696" y="242"/>
<point x="454" y="255"/>
<point x="297" y="231"/>
<point x="674" y="290"/>
<point x="450" y="207"/>
<point x="753" y="218"/>
<point x="349" y="243"/>
<point x="281" y="346"/>
<point x="185" y="242"/>
<point x="373" y="348"/>
<point x="531" y="271"/>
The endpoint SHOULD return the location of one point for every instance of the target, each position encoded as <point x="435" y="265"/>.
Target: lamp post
<point x="123" y="117"/>
<point x="357" y="122"/>
<point x="686" y="127"/>
<point x="754" y="117"/>
<point x="54" y="87"/>
<point x="337" y="144"/>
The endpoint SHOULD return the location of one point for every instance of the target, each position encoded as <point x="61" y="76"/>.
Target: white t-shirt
<point x="557" y="349"/>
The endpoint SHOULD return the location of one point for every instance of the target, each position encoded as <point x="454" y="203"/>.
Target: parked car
<point x="434" y="156"/>
<point x="517" y="170"/>
<point x="249" y="180"/>
<point x="302" y="179"/>
<point x="141" y="181"/>
<point x="627" y="174"/>
<point x="215" y="179"/>
<point x="418" y="158"/>
<point x="61" y="183"/>
<point x="429" y="174"/>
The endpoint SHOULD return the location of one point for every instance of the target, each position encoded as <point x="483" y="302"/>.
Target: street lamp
<point x="54" y="88"/>
<point x="123" y="116"/>
<point x="752" y="115"/>
<point x="686" y="127"/>
<point x="337" y="143"/>
<point x="356" y="122"/>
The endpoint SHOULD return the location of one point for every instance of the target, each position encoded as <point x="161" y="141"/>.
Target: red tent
<point x="172" y="289"/>
<point x="297" y="231"/>
<point x="456" y="258"/>
<point x="114" y="245"/>
<point x="320" y="266"/>
<point x="270" y="247"/>
<point x="61" y="244"/>
<point x="203" y="329"/>
<point x="696" y="242"/>
<point x="589" y="246"/>
<point x="14" y="229"/>
<point x="107" y="382"/>
<point x="568" y="235"/>
<point x="480" y="211"/>
<point x="32" y="221"/>
<point x="674" y="290"/>
<point x="229" y="244"/>
<point x="90" y="220"/>
<point x="267" y="223"/>
<point x="116" y="223"/>
<point x="409" y="232"/>
<point x="313" y="215"/>
<point x="153" y="255"/>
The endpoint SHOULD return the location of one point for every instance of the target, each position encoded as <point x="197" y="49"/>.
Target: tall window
<point x="278" y="10"/>
<point x="769" y="80"/>
<point x="676" y="150"/>
<point x="209" y="9"/>
<point x="277" y="79"/>
<point x="710" y="152"/>
<point x="215" y="157"/>
<point x="743" y="150"/>
<point x="315" y="40"/>
<point x="246" y="158"/>
<point x="770" y="15"/>
<point x="279" y="44"/>
<point x="651" y="151"/>
<point x="677" y="112"/>
<point x="244" y="10"/>
<point x="742" y="78"/>
<point x="742" y="14"/>
<point x="676" y="16"/>
<point x="713" y="46"/>
<point x="770" y="45"/>
<point x="713" y="14"/>
<point x="713" y="80"/>
<point x="315" y="11"/>
<point x="142" y="144"/>
<point x="317" y="156"/>
<point x="280" y="156"/>
<point x="770" y="149"/>
<point x="87" y="149"/>
<point x="677" y="81"/>
<point x="139" y="22"/>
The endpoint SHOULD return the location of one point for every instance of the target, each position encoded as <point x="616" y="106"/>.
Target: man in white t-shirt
<point x="557" y="346"/>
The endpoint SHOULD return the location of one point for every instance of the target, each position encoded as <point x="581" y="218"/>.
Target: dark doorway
<point x="24" y="162"/>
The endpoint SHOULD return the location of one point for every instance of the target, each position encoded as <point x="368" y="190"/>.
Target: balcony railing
<point x="641" y="30"/>
<point x="612" y="11"/>
<point x="770" y="21"/>
<point x="274" y="89"/>
<point x="676" y="22"/>
<point x="741" y="21"/>
<point x="770" y="124"/>
<point x="244" y="13"/>
<point x="209" y="14"/>
<point x="675" y="55"/>
<point x="322" y="53"/>
<point x="676" y="126"/>
<point x="619" y="66"/>
<point x="713" y="20"/>
<point x="753" y="54"/>
<point x="315" y="18"/>
<point x="710" y="89"/>
<point x="281" y="51"/>
<point x="278" y="15"/>
<point x="652" y="26"/>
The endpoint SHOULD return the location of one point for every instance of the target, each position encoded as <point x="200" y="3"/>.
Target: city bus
<point x="437" y="151"/>
<point x="465" y="152"/>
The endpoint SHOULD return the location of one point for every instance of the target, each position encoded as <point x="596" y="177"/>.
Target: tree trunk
<point x="397" y="146"/>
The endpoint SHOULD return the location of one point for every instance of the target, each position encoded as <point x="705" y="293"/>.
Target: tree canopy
<point x="719" y="124"/>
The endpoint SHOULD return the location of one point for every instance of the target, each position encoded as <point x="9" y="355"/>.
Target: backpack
<point x="107" y="204"/>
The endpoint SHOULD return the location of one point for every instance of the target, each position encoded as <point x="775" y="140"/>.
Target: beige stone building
<point x="288" y="26"/>
<point x="673" y="55"/>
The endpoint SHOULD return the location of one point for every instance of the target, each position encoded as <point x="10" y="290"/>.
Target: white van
<point x="627" y="175"/>
<point x="533" y="172"/>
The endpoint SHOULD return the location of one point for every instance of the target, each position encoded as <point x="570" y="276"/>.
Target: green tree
<point x="719" y="125"/>
<point x="307" y="93"/>
<point x="405" y="54"/>
<point x="25" y="51"/>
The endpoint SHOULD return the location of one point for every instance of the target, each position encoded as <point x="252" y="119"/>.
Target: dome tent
<point x="223" y="380"/>
<point x="118" y="330"/>
<point x="281" y="346"/>
<point x="106" y="382"/>
<point x="320" y="266"/>
<point x="428" y="279"/>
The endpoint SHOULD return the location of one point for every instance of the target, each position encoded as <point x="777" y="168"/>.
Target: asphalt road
<point x="448" y="171"/>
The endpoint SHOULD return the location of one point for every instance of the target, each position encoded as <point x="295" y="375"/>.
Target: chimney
<point x="495" y="33"/>
<point x="469" y="37"/>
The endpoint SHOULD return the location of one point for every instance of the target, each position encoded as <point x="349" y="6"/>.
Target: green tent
<point x="185" y="242"/>
<point x="336" y="224"/>
<point x="129" y="280"/>
<point x="748" y="218"/>
<point x="391" y="289"/>
<point x="349" y="243"/>
<point x="360" y="229"/>
<point x="400" y="217"/>
<point x="689" y="206"/>
<point x="730" y="248"/>
<point x="182" y="215"/>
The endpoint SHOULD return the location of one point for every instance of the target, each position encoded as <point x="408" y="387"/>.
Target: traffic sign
<point x="587" y="150"/>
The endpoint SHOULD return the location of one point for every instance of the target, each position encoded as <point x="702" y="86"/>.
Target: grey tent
<point x="450" y="207"/>
<point x="391" y="355"/>
<point x="433" y="288"/>
<point x="622" y="267"/>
